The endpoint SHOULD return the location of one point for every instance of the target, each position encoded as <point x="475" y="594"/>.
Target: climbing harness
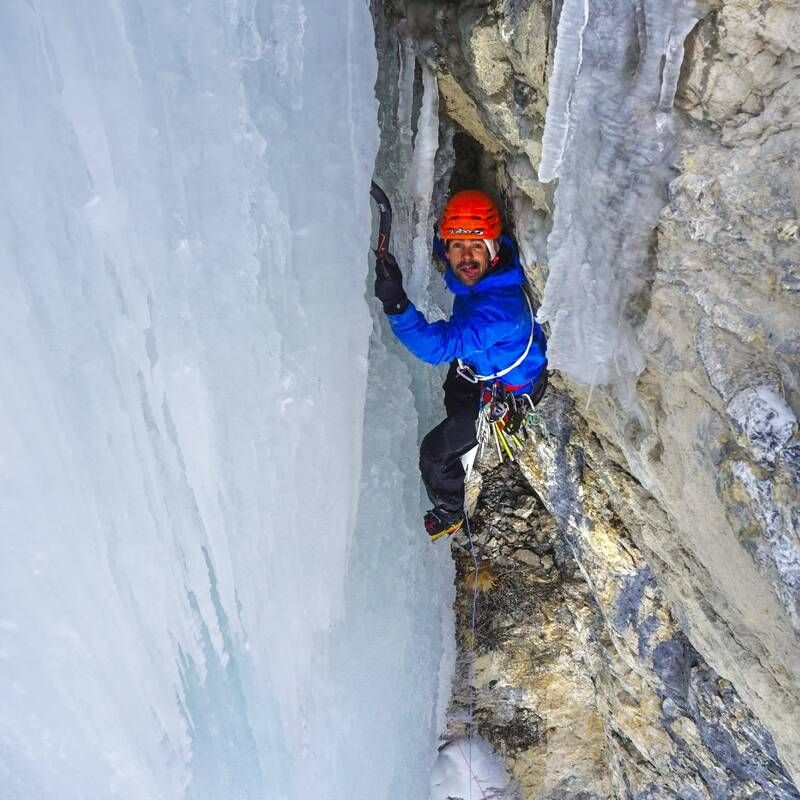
<point x="503" y="417"/>
<point x="468" y="374"/>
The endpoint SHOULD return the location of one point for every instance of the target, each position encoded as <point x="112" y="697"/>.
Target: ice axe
<point x="385" y="224"/>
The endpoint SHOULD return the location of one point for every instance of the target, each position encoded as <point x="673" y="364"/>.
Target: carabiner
<point x="466" y="372"/>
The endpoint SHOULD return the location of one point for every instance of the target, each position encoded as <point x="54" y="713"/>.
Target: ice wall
<point x="204" y="593"/>
<point x="607" y="138"/>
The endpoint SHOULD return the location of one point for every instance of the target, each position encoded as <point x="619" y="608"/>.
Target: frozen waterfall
<point x="213" y="581"/>
<point x="607" y="138"/>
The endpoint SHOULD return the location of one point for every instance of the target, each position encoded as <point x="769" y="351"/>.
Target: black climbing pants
<point x="441" y="449"/>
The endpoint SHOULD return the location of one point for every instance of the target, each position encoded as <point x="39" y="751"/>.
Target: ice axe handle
<point x="385" y="223"/>
<point x="383" y="246"/>
<point x="381" y="267"/>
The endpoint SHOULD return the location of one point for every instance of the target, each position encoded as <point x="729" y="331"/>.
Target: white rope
<point x="462" y="367"/>
<point x="473" y="626"/>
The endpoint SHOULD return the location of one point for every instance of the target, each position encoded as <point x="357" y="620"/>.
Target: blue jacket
<point x="489" y="327"/>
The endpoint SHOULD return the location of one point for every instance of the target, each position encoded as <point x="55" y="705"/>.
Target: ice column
<point x="608" y="139"/>
<point x="204" y="592"/>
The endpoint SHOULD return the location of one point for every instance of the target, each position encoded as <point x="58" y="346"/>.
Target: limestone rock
<point x="577" y="671"/>
<point x="642" y="639"/>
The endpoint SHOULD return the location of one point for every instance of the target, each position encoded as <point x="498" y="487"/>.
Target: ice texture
<point x="212" y="579"/>
<point x="608" y="139"/>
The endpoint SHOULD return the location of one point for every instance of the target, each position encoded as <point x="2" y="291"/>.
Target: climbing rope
<point x="474" y="777"/>
<point x="473" y="628"/>
<point x="502" y="416"/>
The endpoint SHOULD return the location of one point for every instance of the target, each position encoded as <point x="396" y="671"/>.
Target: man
<point x="492" y="337"/>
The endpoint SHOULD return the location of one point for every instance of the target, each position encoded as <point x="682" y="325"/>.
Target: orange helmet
<point x="470" y="214"/>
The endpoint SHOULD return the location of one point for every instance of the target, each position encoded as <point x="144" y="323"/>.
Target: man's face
<point x="469" y="259"/>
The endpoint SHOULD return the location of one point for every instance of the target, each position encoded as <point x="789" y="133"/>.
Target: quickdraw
<point x="507" y="420"/>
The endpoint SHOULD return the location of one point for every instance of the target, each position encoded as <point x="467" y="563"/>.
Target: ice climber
<point x="492" y="341"/>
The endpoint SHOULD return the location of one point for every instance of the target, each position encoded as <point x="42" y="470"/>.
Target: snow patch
<point x="779" y="545"/>
<point x="766" y="420"/>
<point x="469" y="769"/>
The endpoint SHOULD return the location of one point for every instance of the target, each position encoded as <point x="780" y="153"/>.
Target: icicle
<point x="405" y="97"/>
<point x="568" y="59"/>
<point x="608" y="138"/>
<point x="421" y="186"/>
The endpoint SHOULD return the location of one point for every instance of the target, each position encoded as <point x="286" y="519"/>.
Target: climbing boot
<point x="439" y="522"/>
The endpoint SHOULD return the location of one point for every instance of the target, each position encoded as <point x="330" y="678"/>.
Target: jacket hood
<point x="508" y="274"/>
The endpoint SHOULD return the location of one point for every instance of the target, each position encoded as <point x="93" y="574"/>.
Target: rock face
<point x="530" y="668"/>
<point x="577" y="671"/>
<point x="672" y="666"/>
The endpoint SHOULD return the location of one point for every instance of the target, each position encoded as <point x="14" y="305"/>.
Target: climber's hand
<point x="389" y="285"/>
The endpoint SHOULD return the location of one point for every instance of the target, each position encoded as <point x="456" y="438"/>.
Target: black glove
<point x="389" y="285"/>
